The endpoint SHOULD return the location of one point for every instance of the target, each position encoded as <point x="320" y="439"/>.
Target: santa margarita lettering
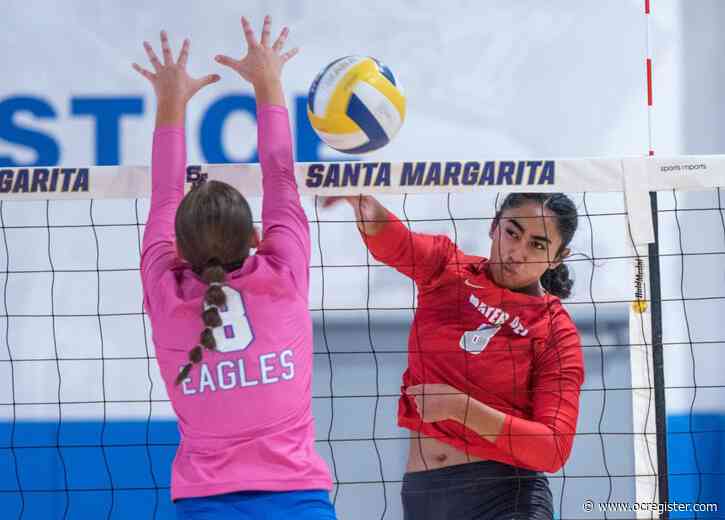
<point x="449" y="173"/>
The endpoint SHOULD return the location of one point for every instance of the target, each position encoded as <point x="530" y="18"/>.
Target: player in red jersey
<point x="495" y="365"/>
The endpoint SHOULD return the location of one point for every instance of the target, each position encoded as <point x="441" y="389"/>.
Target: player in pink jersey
<point x="232" y="330"/>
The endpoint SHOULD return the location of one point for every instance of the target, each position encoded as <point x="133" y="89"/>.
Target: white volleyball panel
<point x="380" y="107"/>
<point x="344" y="141"/>
<point x="329" y="81"/>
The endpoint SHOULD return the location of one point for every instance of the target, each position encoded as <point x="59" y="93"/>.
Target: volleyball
<point x="356" y="104"/>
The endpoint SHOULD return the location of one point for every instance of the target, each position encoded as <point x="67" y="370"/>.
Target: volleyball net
<point x="86" y="428"/>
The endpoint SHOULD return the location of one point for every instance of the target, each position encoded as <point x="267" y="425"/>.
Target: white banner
<point x="352" y="178"/>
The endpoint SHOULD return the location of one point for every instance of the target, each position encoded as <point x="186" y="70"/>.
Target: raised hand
<point x="262" y="65"/>
<point x="171" y="82"/>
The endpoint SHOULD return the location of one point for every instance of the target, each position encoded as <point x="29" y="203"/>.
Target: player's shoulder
<point x="457" y="263"/>
<point x="562" y="325"/>
<point x="474" y="265"/>
<point x="459" y="258"/>
<point x="268" y="275"/>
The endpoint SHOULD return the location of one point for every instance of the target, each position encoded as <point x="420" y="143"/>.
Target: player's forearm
<point x="535" y="444"/>
<point x="387" y="239"/>
<point x="531" y="443"/>
<point x="168" y="165"/>
<point x="274" y="142"/>
<point x="372" y="217"/>
<point x="417" y="256"/>
<point x="477" y="416"/>
<point x="281" y="202"/>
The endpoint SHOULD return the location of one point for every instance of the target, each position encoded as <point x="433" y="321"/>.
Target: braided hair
<point x="214" y="298"/>
<point x="214" y="233"/>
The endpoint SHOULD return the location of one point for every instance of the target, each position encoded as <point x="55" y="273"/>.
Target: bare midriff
<point x="426" y="453"/>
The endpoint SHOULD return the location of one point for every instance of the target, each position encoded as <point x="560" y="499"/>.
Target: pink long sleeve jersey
<point x="244" y="412"/>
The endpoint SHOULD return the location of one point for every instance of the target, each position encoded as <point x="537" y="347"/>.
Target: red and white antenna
<point x="648" y="56"/>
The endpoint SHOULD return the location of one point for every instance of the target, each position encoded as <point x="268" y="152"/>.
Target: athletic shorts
<point x="258" y="505"/>
<point x="485" y="490"/>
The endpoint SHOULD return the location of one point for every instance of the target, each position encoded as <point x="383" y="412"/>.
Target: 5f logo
<point x="194" y="175"/>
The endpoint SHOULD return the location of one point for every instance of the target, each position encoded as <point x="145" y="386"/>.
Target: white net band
<point x="351" y="178"/>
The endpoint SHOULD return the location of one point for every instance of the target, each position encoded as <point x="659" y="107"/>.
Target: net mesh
<point x="86" y="429"/>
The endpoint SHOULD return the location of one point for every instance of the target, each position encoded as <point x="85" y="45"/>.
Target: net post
<point x="653" y="262"/>
<point x="658" y="360"/>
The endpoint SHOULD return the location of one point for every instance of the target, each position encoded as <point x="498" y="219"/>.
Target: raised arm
<point x="416" y="255"/>
<point x="285" y="227"/>
<point x="173" y="88"/>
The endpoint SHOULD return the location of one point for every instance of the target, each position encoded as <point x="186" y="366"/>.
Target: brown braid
<point x="214" y="233"/>
<point x="212" y="273"/>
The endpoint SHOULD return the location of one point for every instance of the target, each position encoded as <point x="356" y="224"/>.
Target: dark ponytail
<point x="556" y="281"/>
<point x="213" y="274"/>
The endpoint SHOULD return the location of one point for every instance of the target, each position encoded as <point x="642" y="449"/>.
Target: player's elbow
<point x="553" y="466"/>
<point x="277" y="157"/>
<point x="558" y="454"/>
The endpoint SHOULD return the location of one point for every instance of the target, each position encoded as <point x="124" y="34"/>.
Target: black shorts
<point x="485" y="490"/>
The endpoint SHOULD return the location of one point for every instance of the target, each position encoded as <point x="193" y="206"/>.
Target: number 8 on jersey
<point x="235" y="333"/>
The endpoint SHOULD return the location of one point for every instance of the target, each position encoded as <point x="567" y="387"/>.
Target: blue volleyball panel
<point x="358" y="112"/>
<point x="385" y="71"/>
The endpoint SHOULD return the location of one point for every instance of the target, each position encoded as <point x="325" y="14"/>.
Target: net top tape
<point x="366" y="177"/>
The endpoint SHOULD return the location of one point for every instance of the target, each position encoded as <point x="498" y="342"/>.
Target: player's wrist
<point x="457" y="407"/>
<point x="269" y="91"/>
<point x="170" y="112"/>
<point x="372" y="217"/>
<point x="370" y="228"/>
